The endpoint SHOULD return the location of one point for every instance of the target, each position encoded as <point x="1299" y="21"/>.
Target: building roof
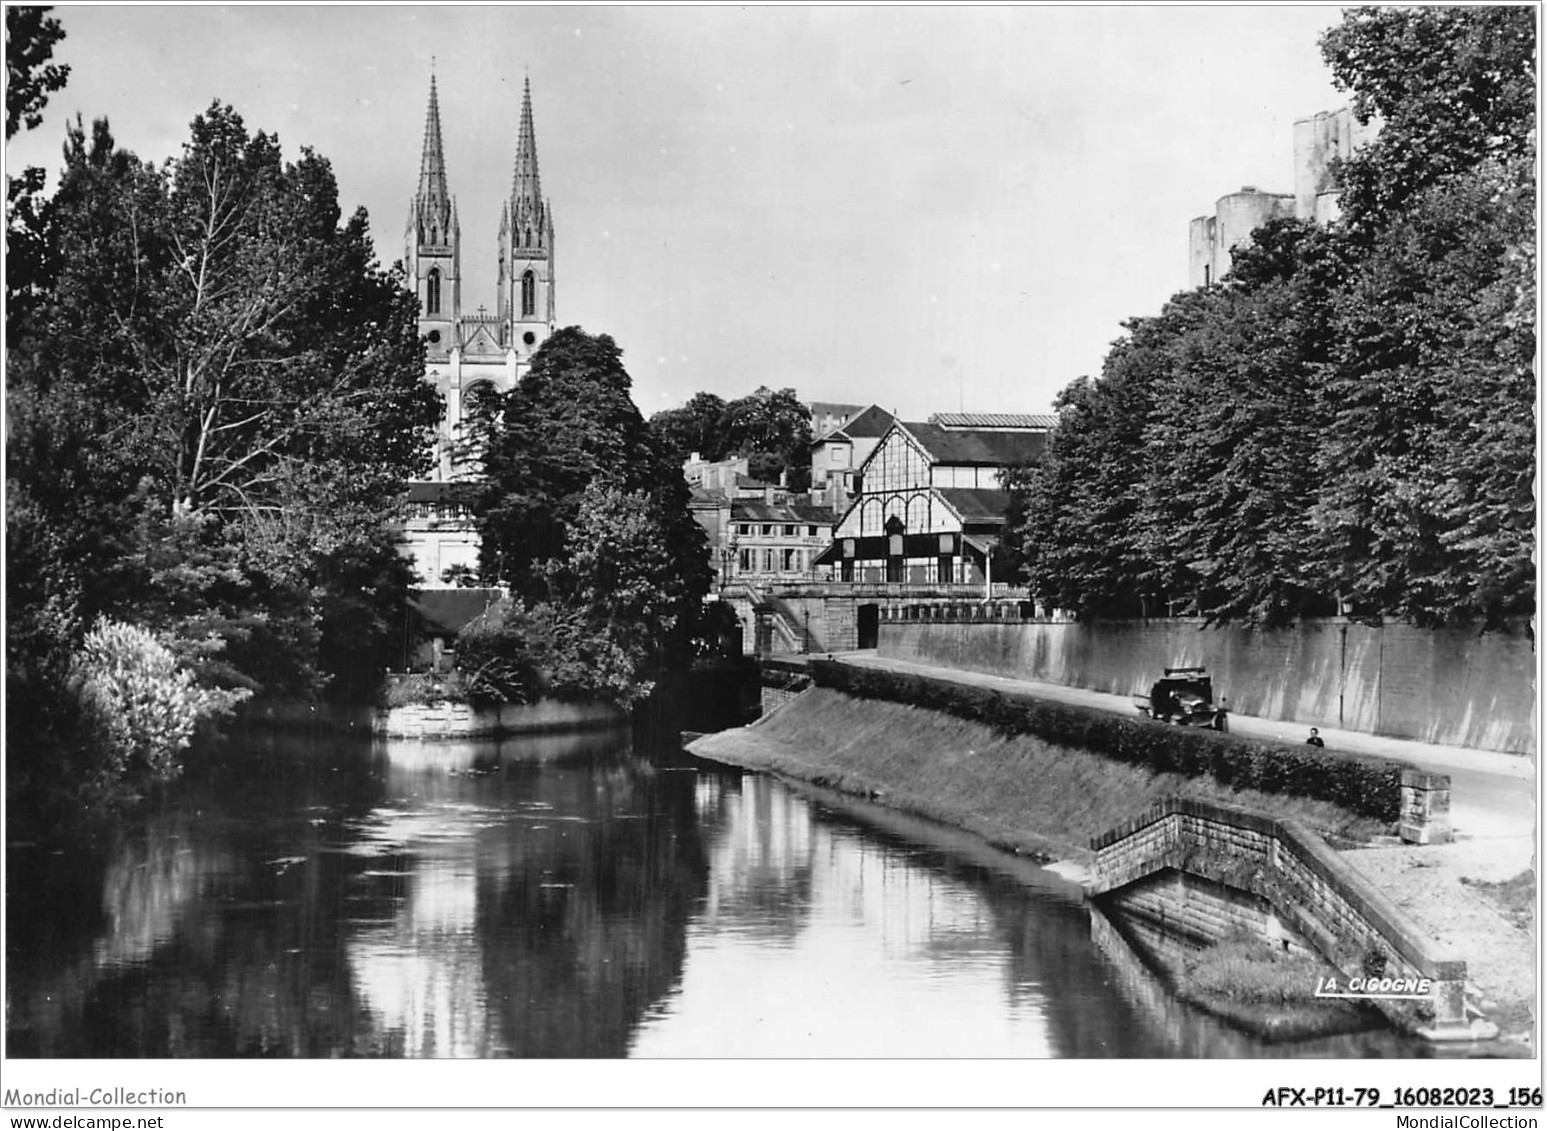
<point x="842" y="411"/>
<point x="993" y="420"/>
<point x="870" y="423"/>
<point x="446" y="611"/>
<point x="746" y="510"/>
<point x="979" y="446"/>
<point x="976" y="504"/>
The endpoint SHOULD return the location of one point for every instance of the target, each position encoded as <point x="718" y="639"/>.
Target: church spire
<point x="433" y="205"/>
<point x="528" y="214"/>
<point x="526" y="248"/>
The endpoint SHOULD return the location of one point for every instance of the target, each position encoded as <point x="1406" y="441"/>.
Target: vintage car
<point x="1184" y="696"/>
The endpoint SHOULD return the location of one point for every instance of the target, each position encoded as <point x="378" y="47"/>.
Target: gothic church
<point x="471" y="353"/>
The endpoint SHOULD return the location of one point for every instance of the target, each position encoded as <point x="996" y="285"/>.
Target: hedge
<point x="1365" y="785"/>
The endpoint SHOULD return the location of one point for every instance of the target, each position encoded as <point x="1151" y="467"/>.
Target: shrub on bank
<point x="1365" y="785"/>
<point x="139" y="705"/>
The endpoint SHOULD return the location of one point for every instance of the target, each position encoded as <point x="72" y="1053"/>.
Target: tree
<point x="1429" y="453"/>
<point x="586" y="518"/>
<point x="214" y="410"/>
<point x="773" y="430"/>
<point x="569" y="422"/>
<point x="1452" y="87"/>
<point x="30" y="37"/>
<point x="695" y="427"/>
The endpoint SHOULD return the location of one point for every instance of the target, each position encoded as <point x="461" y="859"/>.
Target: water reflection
<point x="554" y="896"/>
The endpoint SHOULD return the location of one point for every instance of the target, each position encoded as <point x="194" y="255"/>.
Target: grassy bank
<point x="1021" y="792"/>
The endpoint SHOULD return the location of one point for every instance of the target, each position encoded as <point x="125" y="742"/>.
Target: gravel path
<point x="1426" y="883"/>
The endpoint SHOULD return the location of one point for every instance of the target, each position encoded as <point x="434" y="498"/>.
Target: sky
<point x="933" y="209"/>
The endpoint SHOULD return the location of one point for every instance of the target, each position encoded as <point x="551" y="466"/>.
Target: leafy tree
<point x="1428" y="459"/>
<point x="214" y="406"/>
<point x="1452" y="87"/>
<point x="586" y="518"/>
<point x="1081" y="541"/>
<point x="30" y="37"/>
<point x="773" y="430"/>
<point x="569" y="422"/>
<point x="695" y="427"/>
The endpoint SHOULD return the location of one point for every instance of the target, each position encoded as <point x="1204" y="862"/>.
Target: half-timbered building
<point x="930" y="506"/>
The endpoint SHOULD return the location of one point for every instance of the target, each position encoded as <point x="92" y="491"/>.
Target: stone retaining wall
<point x="462" y="720"/>
<point x="1311" y="895"/>
<point x="1454" y="687"/>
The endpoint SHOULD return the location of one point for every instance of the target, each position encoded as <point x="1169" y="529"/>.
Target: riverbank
<point x="1043" y="801"/>
<point x="1020" y="793"/>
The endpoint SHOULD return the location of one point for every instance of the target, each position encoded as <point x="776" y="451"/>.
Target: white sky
<point x="927" y="208"/>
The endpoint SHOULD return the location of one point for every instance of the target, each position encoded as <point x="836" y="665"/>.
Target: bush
<point x="139" y="705"/>
<point x="1368" y="786"/>
<point x="424" y="688"/>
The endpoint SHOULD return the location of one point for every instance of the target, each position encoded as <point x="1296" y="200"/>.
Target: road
<point x="1493" y="796"/>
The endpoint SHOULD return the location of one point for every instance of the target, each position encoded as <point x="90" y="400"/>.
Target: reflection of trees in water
<point x="271" y="911"/>
<point x="591" y="933"/>
<point x="965" y="901"/>
<point x="193" y="934"/>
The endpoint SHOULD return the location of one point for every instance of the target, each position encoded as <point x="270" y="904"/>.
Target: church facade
<point x="471" y="353"/>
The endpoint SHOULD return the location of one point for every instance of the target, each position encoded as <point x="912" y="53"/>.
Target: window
<point x="791" y="561"/>
<point x="768" y="561"/>
<point x="789" y="531"/>
<point x="846" y="570"/>
<point x="767" y="530"/>
<point x="810" y="532"/>
<point x="528" y="295"/>
<point x="748" y="561"/>
<point x="432" y="292"/>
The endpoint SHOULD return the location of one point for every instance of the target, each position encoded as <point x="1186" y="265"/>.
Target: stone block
<point x="1425" y="815"/>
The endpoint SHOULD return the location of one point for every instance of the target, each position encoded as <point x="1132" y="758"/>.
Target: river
<point x="561" y="896"/>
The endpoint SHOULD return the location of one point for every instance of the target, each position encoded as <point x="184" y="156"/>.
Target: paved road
<point x="1492" y="795"/>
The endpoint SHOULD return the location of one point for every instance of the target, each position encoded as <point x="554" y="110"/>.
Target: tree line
<point x="1345" y="423"/>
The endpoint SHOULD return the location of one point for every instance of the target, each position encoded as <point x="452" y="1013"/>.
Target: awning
<point x="980" y="543"/>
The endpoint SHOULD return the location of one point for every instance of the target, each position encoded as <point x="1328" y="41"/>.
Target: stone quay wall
<point x="462" y="720"/>
<point x="1453" y="687"/>
<point x="1304" y="894"/>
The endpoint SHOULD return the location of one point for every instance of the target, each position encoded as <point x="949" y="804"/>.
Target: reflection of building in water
<point x="760" y="861"/>
<point x="419" y="975"/>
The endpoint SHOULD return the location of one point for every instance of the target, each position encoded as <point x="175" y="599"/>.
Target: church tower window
<point x="528" y="295"/>
<point x="432" y="292"/>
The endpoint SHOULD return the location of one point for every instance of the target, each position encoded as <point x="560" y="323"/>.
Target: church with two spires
<point x="471" y="353"/>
